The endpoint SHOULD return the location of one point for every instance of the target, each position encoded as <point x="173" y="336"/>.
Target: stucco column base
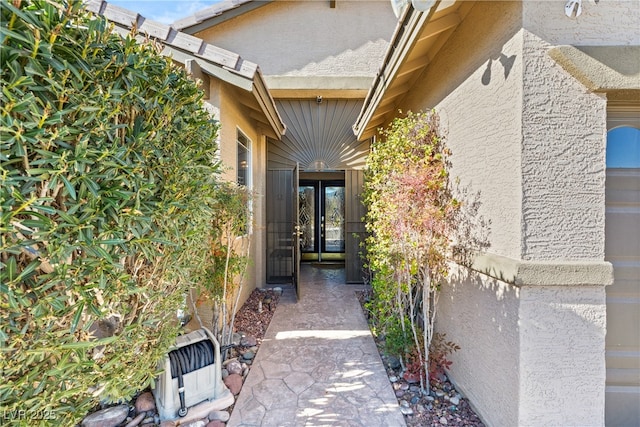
<point x="562" y="329"/>
<point x="562" y="355"/>
<point x="532" y="342"/>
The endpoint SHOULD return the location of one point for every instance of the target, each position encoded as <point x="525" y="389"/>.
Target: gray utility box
<point x="193" y="363"/>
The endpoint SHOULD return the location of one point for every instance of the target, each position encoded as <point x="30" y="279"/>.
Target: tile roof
<point x="169" y="36"/>
<point x="187" y="49"/>
<point x="213" y="11"/>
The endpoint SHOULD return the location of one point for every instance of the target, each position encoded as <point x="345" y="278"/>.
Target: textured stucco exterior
<point x="233" y="116"/>
<point x="612" y="23"/>
<point x="530" y="139"/>
<point x="480" y="314"/>
<point x="480" y="105"/>
<point x="309" y="38"/>
<point x="562" y="360"/>
<point x="563" y="158"/>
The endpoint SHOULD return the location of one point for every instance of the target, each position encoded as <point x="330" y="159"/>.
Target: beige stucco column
<point x="562" y="274"/>
<point x="530" y="315"/>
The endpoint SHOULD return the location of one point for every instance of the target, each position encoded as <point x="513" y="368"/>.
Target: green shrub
<point x="398" y="339"/>
<point x="108" y="186"/>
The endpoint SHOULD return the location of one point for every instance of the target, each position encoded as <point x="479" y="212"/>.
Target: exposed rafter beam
<point x="439" y="26"/>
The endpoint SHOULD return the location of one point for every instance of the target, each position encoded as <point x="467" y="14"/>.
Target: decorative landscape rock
<point x="234" y="367"/>
<point x="198" y="423"/>
<point x="234" y="383"/>
<point x="248" y="341"/>
<point x="394" y="362"/>
<point x="406" y="410"/>
<point x="145" y="403"/>
<point x="136" y="421"/>
<point x="219" y="416"/>
<point x="108" y="417"/>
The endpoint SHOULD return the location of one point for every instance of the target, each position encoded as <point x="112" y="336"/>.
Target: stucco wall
<point x="233" y="116"/>
<point x="603" y="24"/>
<point x="480" y="314"/>
<point x="479" y="102"/>
<point x="564" y="136"/>
<point x="531" y="140"/>
<point x="563" y="161"/>
<point x="308" y="38"/>
<point x="562" y="331"/>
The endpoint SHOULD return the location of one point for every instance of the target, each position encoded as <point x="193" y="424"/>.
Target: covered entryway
<point x="622" y="249"/>
<point x="326" y="192"/>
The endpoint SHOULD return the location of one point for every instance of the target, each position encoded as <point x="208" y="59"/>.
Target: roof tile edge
<point x="208" y="13"/>
<point x="172" y="37"/>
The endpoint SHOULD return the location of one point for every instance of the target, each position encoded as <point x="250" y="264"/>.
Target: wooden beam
<point x="394" y="92"/>
<point x="438" y="26"/>
<point x="412" y="66"/>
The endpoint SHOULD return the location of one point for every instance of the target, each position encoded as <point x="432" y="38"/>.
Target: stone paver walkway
<point x="318" y="364"/>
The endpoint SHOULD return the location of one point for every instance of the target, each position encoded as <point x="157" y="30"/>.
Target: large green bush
<point x="109" y="179"/>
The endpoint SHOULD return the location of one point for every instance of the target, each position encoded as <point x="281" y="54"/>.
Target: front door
<point x="322" y="220"/>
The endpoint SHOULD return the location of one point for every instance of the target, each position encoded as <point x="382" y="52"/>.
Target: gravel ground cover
<point x="443" y="405"/>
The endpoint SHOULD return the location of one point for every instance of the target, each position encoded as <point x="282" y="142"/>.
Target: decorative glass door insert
<point x="333" y="219"/>
<point x="322" y="220"/>
<point x="307" y="209"/>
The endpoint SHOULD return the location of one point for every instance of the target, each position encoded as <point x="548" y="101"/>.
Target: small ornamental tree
<point x="109" y="184"/>
<point x="411" y="219"/>
<point x="229" y="254"/>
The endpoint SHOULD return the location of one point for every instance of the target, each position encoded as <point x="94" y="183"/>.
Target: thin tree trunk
<point x="245" y="253"/>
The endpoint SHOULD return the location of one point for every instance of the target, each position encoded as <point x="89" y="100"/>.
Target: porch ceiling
<point x="319" y="135"/>
<point x="417" y="39"/>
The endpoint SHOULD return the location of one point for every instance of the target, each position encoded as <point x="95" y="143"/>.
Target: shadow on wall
<point x="480" y="314"/>
<point x="472" y="229"/>
<point x="505" y="61"/>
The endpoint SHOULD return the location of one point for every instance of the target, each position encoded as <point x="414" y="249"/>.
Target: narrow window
<point x="243" y="166"/>
<point x="623" y="135"/>
<point x="623" y="147"/>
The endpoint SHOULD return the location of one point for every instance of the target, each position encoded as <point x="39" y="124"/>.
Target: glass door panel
<point x="333" y="219"/>
<point x="307" y="205"/>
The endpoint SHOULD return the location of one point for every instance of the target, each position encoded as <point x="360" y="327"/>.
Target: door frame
<point x="295" y="241"/>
